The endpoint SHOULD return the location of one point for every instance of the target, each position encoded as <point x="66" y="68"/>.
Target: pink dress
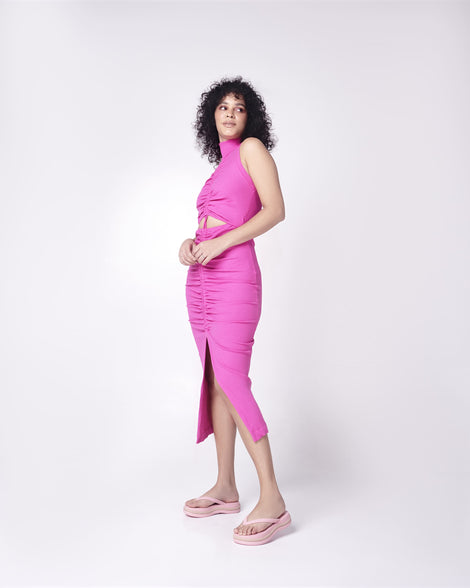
<point x="224" y="296"/>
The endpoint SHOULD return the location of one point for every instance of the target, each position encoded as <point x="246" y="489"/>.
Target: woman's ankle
<point x="271" y="495"/>
<point x="227" y="486"/>
<point x="226" y="482"/>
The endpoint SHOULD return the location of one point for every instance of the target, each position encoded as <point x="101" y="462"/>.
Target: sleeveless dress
<point x="224" y="296"/>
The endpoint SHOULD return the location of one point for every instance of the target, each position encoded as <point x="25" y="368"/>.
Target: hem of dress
<point x="203" y="436"/>
<point x="256" y="435"/>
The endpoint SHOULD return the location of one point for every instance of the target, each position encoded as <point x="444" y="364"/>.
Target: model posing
<point x="241" y="200"/>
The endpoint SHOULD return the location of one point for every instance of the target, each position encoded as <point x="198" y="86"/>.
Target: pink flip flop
<point x="263" y="536"/>
<point x="220" y="507"/>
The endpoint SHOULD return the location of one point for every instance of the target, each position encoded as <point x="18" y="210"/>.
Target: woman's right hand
<point x="186" y="252"/>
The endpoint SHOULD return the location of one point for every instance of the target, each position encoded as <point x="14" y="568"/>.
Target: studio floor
<point x="411" y="533"/>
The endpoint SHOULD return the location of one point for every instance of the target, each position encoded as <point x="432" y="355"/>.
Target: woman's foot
<point x="227" y="493"/>
<point x="268" y="508"/>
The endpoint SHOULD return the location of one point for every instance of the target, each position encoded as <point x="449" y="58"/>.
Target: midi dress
<point x="224" y="296"/>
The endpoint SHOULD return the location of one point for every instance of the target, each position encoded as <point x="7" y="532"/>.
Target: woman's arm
<point x="263" y="172"/>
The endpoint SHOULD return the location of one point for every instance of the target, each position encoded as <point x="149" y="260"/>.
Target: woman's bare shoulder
<point x="252" y="145"/>
<point x="255" y="156"/>
<point x="253" y="150"/>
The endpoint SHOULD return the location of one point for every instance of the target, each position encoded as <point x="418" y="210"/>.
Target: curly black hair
<point x="258" y="122"/>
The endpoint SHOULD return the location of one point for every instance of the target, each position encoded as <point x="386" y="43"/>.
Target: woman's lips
<point x="228" y="124"/>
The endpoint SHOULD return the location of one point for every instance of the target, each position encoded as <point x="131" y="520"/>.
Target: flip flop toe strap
<point x="246" y="522"/>
<point x="206" y="497"/>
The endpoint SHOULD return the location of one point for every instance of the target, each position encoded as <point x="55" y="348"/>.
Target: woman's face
<point x="230" y="117"/>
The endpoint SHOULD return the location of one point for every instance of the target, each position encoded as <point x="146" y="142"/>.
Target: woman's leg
<point x="225" y="431"/>
<point x="225" y="421"/>
<point x="270" y="504"/>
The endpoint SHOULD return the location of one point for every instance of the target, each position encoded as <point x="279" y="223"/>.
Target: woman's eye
<point x="239" y="109"/>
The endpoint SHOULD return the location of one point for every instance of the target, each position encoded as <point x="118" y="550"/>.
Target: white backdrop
<point x="361" y="358"/>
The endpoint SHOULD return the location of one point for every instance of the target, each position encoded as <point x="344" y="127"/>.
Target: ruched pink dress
<point x="224" y="296"/>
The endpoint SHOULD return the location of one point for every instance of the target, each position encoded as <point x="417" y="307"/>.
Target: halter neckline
<point x="229" y="145"/>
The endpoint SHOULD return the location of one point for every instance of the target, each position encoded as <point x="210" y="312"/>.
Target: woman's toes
<point x="198" y="502"/>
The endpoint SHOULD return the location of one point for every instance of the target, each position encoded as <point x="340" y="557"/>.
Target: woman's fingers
<point x="202" y="253"/>
<point x="187" y="259"/>
<point x="199" y="249"/>
<point x="205" y="251"/>
<point x="186" y="256"/>
<point x="201" y="256"/>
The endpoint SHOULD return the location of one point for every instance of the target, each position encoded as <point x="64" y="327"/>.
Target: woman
<point x="241" y="200"/>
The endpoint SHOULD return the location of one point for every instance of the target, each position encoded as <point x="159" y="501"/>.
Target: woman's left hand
<point x="207" y="250"/>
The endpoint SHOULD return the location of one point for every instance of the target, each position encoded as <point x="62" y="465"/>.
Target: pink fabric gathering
<point x="224" y="297"/>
